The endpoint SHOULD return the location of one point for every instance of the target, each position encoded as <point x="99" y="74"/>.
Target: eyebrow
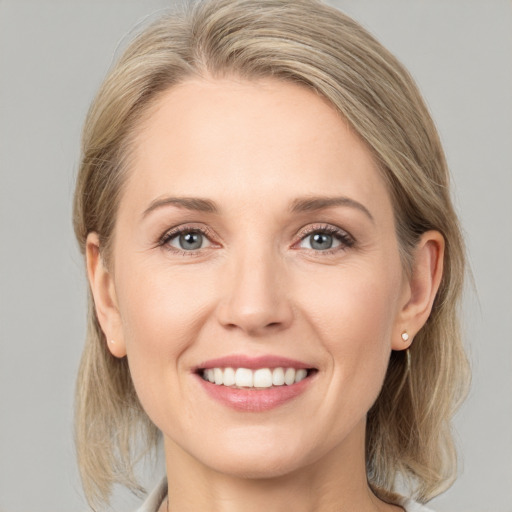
<point x="304" y="204"/>
<point x="310" y="204"/>
<point x="189" y="203"/>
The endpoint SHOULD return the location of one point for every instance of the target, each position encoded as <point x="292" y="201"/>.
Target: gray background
<point x="53" y="55"/>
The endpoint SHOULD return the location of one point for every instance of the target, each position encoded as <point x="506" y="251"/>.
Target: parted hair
<point x="409" y="438"/>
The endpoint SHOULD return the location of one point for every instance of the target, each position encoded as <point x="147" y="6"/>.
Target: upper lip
<point x="253" y="363"/>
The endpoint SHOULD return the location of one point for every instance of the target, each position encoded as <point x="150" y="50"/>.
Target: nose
<point x="255" y="295"/>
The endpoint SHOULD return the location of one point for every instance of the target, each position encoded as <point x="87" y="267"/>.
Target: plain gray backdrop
<point x="53" y="55"/>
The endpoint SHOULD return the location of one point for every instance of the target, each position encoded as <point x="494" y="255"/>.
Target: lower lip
<point x="255" y="399"/>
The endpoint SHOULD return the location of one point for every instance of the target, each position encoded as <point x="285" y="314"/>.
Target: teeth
<point x="289" y="376"/>
<point x="260" y="378"/>
<point x="229" y="377"/>
<point x="300" y="374"/>
<point x="244" y="378"/>
<point x="278" y="377"/>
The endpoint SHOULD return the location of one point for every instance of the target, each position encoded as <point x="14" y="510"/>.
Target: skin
<point x="255" y="287"/>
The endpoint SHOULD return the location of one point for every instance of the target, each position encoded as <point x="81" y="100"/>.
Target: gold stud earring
<point x="405" y="336"/>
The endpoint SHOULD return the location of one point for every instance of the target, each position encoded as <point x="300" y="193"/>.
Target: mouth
<point x="255" y="378"/>
<point x="255" y="384"/>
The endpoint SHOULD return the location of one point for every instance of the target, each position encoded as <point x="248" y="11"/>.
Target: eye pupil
<point x="321" y="241"/>
<point x="191" y="241"/>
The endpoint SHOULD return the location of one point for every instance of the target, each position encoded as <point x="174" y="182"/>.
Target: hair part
<point x="307" y="43"/>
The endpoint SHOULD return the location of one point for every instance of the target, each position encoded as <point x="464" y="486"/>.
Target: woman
<point x="275" y="268"/>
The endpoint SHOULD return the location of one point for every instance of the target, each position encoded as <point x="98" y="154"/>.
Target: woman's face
<point x="254" y="233"/>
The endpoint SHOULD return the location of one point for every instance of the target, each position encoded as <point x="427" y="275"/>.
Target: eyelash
<point x="173" y="233"/>
<point x="346" y="240"/>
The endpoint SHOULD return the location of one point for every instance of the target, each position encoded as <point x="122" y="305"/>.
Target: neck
<point x="336" y="482"/>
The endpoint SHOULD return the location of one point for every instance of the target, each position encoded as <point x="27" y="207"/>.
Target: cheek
<point x="161" y="316"/>
<point x="353" y="311"/>
<point x="353" y="318"/>
<point x="353" y="301"/>
<point x="160" y="304"/>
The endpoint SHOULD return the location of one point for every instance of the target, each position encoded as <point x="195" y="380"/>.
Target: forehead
<point x="231" y="138"/>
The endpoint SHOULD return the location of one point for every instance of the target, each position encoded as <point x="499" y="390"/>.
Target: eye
<point x="320" y="242"/>
<point x="326" y="239"/>
<point x="186" y="240"/>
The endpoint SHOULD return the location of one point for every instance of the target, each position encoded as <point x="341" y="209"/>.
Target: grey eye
<point x="189" y="241"/>
<point x="321" y="241"/>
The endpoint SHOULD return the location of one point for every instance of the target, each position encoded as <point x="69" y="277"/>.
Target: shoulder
<point x="413" y="506"/>
<point x="155" y="498"/>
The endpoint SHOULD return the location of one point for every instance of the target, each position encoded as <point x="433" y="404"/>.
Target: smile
<point x="259" y="378"/>
<point x="254" y="384"/>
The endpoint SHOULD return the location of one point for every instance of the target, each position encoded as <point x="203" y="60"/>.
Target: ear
<point x="420" y="288"/>
<point x="105" y="302"/>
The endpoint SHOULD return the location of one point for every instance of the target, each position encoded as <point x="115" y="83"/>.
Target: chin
<point x="256" y="458"/>
<point x="259" y="468"/>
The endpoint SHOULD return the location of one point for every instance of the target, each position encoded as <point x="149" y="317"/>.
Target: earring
<point x="405" y="336"/>
<point x="112" y="342"/>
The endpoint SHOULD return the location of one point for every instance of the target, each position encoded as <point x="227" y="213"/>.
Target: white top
<point x="158" y="495"/>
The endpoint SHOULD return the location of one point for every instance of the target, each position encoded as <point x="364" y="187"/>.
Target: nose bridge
<point x="254" y="296"/>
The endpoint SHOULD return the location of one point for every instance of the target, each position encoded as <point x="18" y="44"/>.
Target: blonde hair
<point x="306" y="42"/>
